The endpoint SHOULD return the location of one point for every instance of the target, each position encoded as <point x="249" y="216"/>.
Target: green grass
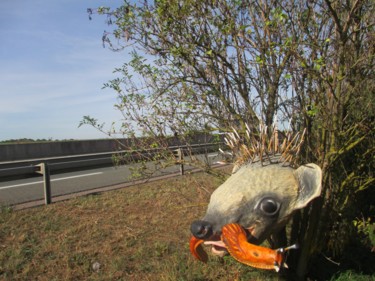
<point x="137" y="233"/>
<point x="350" y="275"/>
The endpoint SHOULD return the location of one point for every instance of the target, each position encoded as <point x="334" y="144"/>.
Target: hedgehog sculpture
<point x="257" y="200"/>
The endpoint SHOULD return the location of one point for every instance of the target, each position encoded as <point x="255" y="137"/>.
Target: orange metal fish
<point x="197" y="250"/>
<point x="235" y="240"/>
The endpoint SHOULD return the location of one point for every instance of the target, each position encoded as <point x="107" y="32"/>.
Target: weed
<point x="4" y="210"/>
<point x="350" y="275"/>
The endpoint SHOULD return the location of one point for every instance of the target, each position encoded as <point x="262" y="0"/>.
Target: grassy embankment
<point x="138" y="233"/>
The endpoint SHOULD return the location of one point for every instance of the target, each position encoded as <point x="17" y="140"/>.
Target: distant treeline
<point x="26" y="140"/>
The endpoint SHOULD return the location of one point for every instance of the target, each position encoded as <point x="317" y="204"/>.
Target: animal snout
<point x="201" y="229"/>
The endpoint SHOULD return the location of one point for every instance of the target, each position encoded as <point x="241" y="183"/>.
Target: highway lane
<point x="31" y="189"/>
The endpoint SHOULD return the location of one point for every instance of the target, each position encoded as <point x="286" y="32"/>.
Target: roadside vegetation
<point x="137" y="233"/>
<point x="211" y="66"/>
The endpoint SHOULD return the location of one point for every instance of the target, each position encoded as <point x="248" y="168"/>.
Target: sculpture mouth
<point x="218" y="247"/>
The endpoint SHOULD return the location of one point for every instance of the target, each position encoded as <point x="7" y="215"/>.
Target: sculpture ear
<point x="309" y="179"/>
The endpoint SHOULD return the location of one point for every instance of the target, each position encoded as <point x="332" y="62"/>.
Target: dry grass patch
<point x="137" y="233"/>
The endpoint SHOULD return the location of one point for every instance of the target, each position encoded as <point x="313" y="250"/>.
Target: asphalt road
<point x="31" y="189"/>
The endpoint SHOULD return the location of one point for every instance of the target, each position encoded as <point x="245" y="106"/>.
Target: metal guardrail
<point x="44" y="166"/>
<point x="63" y="163"/>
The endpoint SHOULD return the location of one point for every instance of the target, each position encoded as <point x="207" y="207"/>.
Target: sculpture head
<point x="259" y="198"/>
<point x="260" y="195"/>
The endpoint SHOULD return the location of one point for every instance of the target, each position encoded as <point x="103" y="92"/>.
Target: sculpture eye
<point x="269" y="206"/>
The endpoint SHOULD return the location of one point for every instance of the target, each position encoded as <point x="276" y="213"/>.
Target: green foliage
<point x="367" y="228"/>
<point x="87" y="120"/>
<point x="350" y="275"/>
<point x="27" y="140"/>
<point x="221" y="64"/>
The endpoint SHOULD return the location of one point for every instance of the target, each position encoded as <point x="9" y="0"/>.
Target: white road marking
<point x="212" y="155"/>
<point x="59" y="179"/>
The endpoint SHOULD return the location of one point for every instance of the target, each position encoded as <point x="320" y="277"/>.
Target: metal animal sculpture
<point x="256" y="201"/>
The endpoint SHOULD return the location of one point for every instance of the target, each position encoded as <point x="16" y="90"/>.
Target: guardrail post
<point x="180" y="157"/>
<point x="44" y="170"/>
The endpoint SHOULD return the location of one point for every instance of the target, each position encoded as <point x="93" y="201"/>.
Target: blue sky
<point x="52" y="69"/>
